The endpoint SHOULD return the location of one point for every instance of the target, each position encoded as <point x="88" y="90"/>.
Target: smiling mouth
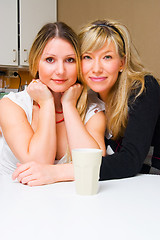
<point x="59" y="81"/>
<point x="98" y="79"/>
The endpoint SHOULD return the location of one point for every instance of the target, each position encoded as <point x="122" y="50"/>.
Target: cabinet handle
<point x="14" y="55"/>
<point x="25" y="55"/>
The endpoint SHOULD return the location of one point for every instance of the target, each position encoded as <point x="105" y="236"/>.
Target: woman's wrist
<point x="48" y="103"/>
<point x="68" y="106"/>
<point x="63" y="172"/>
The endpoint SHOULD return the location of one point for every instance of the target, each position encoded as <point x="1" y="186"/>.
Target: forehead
<point x="58" y="46"/>
<point x="107" y="46"/>
<point x="93" y="40"/>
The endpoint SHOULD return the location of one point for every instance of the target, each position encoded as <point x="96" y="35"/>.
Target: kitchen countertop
<point x="2" y="94"/>
<point x="7" y="91"/>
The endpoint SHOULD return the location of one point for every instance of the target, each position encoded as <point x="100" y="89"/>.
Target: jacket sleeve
<point x="143" y="115"/>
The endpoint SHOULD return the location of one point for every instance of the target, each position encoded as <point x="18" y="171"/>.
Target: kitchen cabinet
<point x="9" y="32"/>
<point x="20" y="20"/>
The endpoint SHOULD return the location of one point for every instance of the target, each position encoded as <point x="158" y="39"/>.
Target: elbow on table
<point x="114" y="168"/>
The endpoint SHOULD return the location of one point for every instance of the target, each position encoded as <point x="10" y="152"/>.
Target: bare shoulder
<point x="9" y="110"/>
<point x="7" y="105"/>
<point x="5" y="102"/>
<point x="97" y="121"/>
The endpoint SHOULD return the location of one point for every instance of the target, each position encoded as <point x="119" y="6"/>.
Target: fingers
<point x="20" y="168"/>
<point x="25" y="176"/>
<point x="73" y="93"/>
<point x="77" y="85"/>
<point x="34" y="174"/>
<point x="77" y="89"/>
<point x="39" y="91"/>
<point x="34" y="182"/>
<point x="27" y="179"/>
<point x="35" y="84"/>
<point x="35" y="81"/>
<point x="28" y="173"/>
<point x="23" y="173"/>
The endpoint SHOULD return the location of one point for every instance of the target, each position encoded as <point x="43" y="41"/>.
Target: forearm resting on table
<point x="35" y="174"/>
<point x="64" y="172"/>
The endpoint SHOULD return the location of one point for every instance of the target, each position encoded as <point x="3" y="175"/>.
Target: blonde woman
<point x="41" y="125"/>
<point x="113" y="70"/>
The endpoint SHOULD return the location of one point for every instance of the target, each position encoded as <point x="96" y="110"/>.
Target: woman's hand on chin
<point x="39" y="92"/>
<point x="72" y="94"/>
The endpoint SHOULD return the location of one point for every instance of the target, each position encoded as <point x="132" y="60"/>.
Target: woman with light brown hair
<point x="112" y="69"/>
<point x="42" y="124"/>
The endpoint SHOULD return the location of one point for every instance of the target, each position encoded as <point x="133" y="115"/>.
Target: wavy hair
<point x="92" y="37"/>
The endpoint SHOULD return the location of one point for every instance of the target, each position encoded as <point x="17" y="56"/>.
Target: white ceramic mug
<point x="86" y="164"/>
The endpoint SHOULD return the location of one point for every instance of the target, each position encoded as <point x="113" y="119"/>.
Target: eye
<point x="70" y="60"/>
<point x="86" y="57"/>
<point x="50" y="59"/>
<point x="108" y="57"/>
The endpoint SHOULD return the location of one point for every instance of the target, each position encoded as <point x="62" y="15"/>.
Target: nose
<point x="60" y="68"/>
<point x="97" y="66"/>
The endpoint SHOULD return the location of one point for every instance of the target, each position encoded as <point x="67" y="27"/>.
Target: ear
<point x="123" y="60"/>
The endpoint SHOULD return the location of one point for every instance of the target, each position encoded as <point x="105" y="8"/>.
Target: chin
<point x="58" y="89"/>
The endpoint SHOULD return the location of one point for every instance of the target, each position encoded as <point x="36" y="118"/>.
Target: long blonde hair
<point x="92" y="37"/>
<point x="62" y="31"/>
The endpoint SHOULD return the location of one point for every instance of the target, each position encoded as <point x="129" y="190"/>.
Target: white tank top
<point x="7" y="159"/>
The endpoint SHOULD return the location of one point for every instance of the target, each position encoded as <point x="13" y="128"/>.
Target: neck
<point x="57" y="101"/>
<point x="103" y="96"/>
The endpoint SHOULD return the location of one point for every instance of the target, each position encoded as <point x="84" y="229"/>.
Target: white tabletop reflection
<point x="123" y="209"/>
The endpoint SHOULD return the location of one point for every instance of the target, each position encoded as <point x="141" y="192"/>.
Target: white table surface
<point x="123" y="209"/>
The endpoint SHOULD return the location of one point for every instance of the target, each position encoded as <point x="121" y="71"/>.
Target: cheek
<point x="41" y="69"/>
<point x="72" y="74"/>
<point x="44" y="70"/>
<point x="85" y="68"/>
<point x="114" y="68"/>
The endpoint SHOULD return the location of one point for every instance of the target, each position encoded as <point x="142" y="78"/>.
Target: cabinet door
<point x="9" y="33"/>
<point x="33" y="15"/>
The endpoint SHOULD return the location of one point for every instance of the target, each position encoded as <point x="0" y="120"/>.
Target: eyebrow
<point x="50" y="54"/>
<point x="109" y="51"/>
<point x="105" y="52"/>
